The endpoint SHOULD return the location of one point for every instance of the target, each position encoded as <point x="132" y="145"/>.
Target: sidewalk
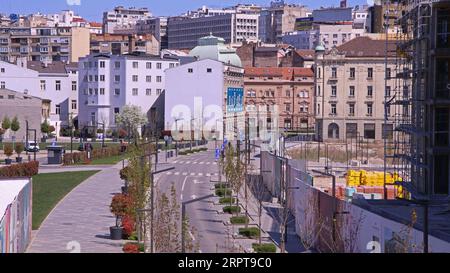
<point x="82" y="217"/>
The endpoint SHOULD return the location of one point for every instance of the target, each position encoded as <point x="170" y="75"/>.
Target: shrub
<point x="250" y="232"/>
<point x="20" y="170"/>
<point x="239" y="220"/>
<point x="182" y="153"/>
<point x="131" y="248"/>
<point x="223" y="192"/>
<point x="128" y="225"/>
<point x="227" y="200"/>
<point x="120" y="206"/>
<point x="124" y="173"/>
<point x="231" y="209"/>
<point x="19" y="148"/>
<point x="265" y="248"/>
<point x="8" y="150"/>
<point x="221" y="186"/>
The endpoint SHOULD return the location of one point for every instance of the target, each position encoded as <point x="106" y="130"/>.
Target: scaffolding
<point x="405" y="106"/>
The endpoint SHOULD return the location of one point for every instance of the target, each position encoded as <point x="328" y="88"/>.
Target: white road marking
<point x="192" y="235"/>
<point x="177" y="173"/>
<point x="185" y="173"/>
<point x="192" y="174"/>
<point x="169" y="173"/>
<point x="201" y="163"/>
<point x="207" y="163"/>
<point x="182" y="188"/>
<point x="187" y="162"/>
<point x="200" y="174"/>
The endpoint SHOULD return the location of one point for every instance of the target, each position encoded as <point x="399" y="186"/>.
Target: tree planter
<point x="18" y="159"/>
<point x="116" y="233"/>
<point x="8" y="161"/>
<point x="124" y="190"/>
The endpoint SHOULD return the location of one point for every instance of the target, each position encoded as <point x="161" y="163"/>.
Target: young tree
<point x="45" y="127"/>
<point x="131" y="119"/>
<point x="6" y="123"/>
<point x="15" y="125"/>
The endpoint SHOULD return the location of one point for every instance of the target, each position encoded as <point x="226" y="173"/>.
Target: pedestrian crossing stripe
<point x="200" y="174"/>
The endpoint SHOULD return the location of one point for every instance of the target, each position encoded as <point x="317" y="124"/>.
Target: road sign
<point x="217" y="153"/>
<point x="235" y="99"/>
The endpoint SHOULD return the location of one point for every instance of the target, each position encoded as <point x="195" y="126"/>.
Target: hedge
<point x="250" y="232"/>
<point x="239" y="220"/>
<point x="223" y="192"/>
<point x="81" y="157"/>
<point x="231" y="209"/>
<point x="221" y="186"/>
<point x="28" y="169"/>
<point x="264" y="248"/>
<point x="227" y="200"/>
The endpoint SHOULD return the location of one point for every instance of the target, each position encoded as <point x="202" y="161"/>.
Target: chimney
<point x="343" y="3"/>
<point x="130" y="44"/>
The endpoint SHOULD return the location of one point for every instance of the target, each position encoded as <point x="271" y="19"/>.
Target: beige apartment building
<point x="290" y="89"/>
<point x="44" y="44"/>
<point x="350" y="90"/>
<point x="118" y="44"/>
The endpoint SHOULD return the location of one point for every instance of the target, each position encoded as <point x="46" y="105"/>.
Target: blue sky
<point x="92" y="9"/>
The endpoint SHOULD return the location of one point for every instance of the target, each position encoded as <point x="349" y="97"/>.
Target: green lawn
<point x="112" y="160"/>
<point x="49" y="189"/>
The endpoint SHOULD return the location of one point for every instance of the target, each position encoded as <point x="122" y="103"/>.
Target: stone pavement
<point x="82" y="218"/>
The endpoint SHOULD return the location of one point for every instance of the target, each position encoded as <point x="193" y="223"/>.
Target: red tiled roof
<point x="306" y="54"/>
<point x="95" y="24"/>
<point x="282" y="72"/>
<point x="367" y="47"/>
<point x="76" y="19"/>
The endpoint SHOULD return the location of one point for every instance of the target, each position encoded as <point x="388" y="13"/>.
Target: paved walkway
<point x="83" y="218"/>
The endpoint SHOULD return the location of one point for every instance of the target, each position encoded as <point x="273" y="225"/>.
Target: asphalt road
<point x="191" y="177"/>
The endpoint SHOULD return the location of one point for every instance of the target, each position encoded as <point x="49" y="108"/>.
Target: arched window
<point x="333" y="131"/>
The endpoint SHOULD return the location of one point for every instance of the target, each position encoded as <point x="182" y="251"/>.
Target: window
<point x="58" y="85"/>
<point x="135" y="78"/>
<point x="334" y="72"/>
<point x="288" y="93"/>
<point x="102" y="64"/>
<point x="318" y="90"/>
<point x="58" y="109"/>
<point x="158" y="65"/>
<point x="74" y="105"/>
<point x="91" y="92"/>
<point x="352" y="73"/>
<point x="388" y="73"/>
<point x="288" y="107"/>
<point x="148" y="92"/>
<point x="135" y="65"/>
<point x="116" y="65"/>
<point x="319" y="73"/>
<point x="116" y="110"/>
<point x="352" y="91"/>
<point x="333" y="91"/>
<point x="369" y="130"/>
<point x="370" y="73"/>
<point x="43" y="85"/>
<point x="74" y="86"/>
<point x="148" y="65"/>
<point x="441" y="174"/>
<point x="388" y="131"/>
<point x="287" y="123"/>
<point x="190" y="70"/>
<point x="148" y="79"/>
<point x="102" y="91"/>
<point x="370" y="91"/>
<point x="102" y="78"/>
<point x="388" y="91"/>
<point x="135" y="91"/>
<point x="117" y="78"/>
<point x="11" y="97"/>
<point x="171" y="65"/>
<point x="441" y="124"/>
<point x="2" y="85"/>
<point x="96" y="78"/>
<point x="2" y="70"/>
<point x="158" y="78"/>
<point x="333" y="131"/>
<point x="117" y="91"/>
<point x="351" y="130"/>
<point x="351" y="109"/>
<point x="333" y="109"/>
<point x="158" y="92"/>
<point x="209" y="70"/>
<point x="369" y="109"/>
<point x="96" y="91"/>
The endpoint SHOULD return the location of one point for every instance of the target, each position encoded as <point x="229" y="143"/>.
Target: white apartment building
<point x="328" y="35"/>
<point x="56" y="82"/>
<point x="109" y="82"/>
<point x="122" y="18"/>
<point x="234" y="24"/>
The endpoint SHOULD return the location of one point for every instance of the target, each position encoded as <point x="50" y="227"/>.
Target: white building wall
<point x="184" y="88"/>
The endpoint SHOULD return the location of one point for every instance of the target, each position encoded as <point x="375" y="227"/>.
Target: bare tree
<point x="258" y="194"/>
<point x="311" y="222"/>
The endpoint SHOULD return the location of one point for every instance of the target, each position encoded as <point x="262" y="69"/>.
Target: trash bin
<point x="54" y="155"/>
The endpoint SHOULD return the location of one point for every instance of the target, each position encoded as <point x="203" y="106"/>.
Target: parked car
<point x="32" y="146"/>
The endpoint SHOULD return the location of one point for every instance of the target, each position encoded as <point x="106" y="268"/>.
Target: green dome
<point x="320" y="48"/>
<point x="211" y="47"/>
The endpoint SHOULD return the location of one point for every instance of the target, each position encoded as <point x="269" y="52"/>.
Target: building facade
<point x="234" y="24"/>
<point x="25" y="108"/>
<point x="109" y="82"/>
<point x="55" y="83"/>
<point x="122" y="18"/>
<point x="44" y="44"/>
<point x="350" y="90"/>
<point x="118" y="44"/>
<point x="290" y="89"/>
